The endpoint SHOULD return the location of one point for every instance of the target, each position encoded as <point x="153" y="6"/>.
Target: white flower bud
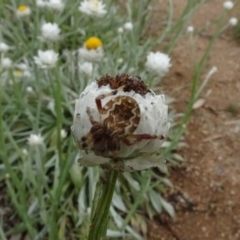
<point x="190" y="29"/>
<point x="128" y="26"/>
<point x="3" y="47"/>
<point x="158" y="63"/>
<point x="233" y="21"/>
<point x="46" y="59"/>
<point x="92" y="8"/>
<point x="120" y="30"/>
<point x="86" y="68"/>
<point x="35" y="140"/>
<point x="228" y="5"/>
<point x="6" y="63"/>
<point x="50" y="31"/>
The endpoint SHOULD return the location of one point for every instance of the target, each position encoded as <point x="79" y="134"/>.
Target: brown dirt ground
<point x="206" y="186"/>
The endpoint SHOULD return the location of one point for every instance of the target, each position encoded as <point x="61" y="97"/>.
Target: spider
<point x="119" y="119"/>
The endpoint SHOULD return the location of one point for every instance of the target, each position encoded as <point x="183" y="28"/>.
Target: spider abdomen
<point x="121" y="115"/>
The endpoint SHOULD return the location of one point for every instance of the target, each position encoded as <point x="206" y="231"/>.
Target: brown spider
<point x="120" y="118"/>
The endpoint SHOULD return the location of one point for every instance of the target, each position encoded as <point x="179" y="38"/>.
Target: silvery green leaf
<point x="118" y="202"/>
<point x="131" y="181"/>
<point x="33" y="206"/>
<point x="155" y="200"/>
<point x="168" y="207"/>
<point x="178" y="157"/>
<point x="117" y="219"/>
<point x="114" y="234"/>
<point x="82" y="208"/>
<point x="163" y="168"/>
<point x="167" y="182"/>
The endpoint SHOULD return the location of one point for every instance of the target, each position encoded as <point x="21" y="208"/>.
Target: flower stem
<point x="101" y="204"/>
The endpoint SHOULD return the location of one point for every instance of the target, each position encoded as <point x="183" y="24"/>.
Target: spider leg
<point x="90" y="116"/>
<point x="140" y="137"/>
<point x="127" y="142"/>
<point x="102" y="96"/>
<point x="114" y="154"/>
<point x="86" y="141"/>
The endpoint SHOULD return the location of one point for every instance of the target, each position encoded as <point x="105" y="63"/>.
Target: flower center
<point x="95" y="3"/>
<point x="18" y="73"/>
<point x="22" y="8"/>
<point x="93" y="43"/>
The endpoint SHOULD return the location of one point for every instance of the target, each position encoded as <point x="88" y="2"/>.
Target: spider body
<point x="119" y="118"/>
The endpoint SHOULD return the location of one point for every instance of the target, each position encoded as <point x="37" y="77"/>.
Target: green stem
<point x="101" y="204"/>
<point x="198" y="70"/>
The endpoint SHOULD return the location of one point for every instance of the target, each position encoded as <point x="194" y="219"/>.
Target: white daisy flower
<point x="41" y="3"/>
<point x="119" y="121"/>
<point x="6" y="63"/>
<point x="22" y="66"/>
<point x="18" y="73"/>
<point x="86" y="68"/>
<point x="22" y="70"/>
<point x="23" y="11"/>
<point x="233" y="21"/>
<point x="25" y="152"/>
<point x="120" y="30"/>
<point x="35" y="140"/>
<point x="128" y="26"/>
<point x="29" y="89"/>
<point x="92" y="50"/>
<point x="4" y="47"/>
<point x="46" y="59"/>
<point x="119" y="60"/>
<point x="158" y="63"/>
<point x="92" y="8"/>
<point x="93" y="55"/>
<point x="228" y="5"/>
<point x="190" y="29"/>
<point x="50" y="31"/>
<point x="56" y="5"/>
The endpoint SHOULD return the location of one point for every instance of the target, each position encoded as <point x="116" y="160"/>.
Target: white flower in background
<point x="18" y="73"/>
<point x="50" y="31"/>
<point x="46" y="59"/>
<point x="130" y="126"/>
<point x="128" y="26"/>
<point x="190" y="29"/>
<point x="92" y="8"/>
<point x="228" y="5"/>
<point x="56" y="5"/>
<point x="3" y="47"/>
<point x="158" y="63"/>
<point x="23" y="11"/>
<point x="63" y="133"/>
<point x="22" y="70"/>
<point x="24" y="152"/>
<point x="120" y="30"/>
<point x="86" y="68"/>
<point x="120" y="60"/>
<point x="41" y="3"/>
<point x="6" y="63"/>
<point x="233" y="21"/>
<point x="35" y="140"/>
<point x="22" y="66"/>
<point x="29" y="89"/>
<point x="93" y="55"/>
<point x="92" y="50"/>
